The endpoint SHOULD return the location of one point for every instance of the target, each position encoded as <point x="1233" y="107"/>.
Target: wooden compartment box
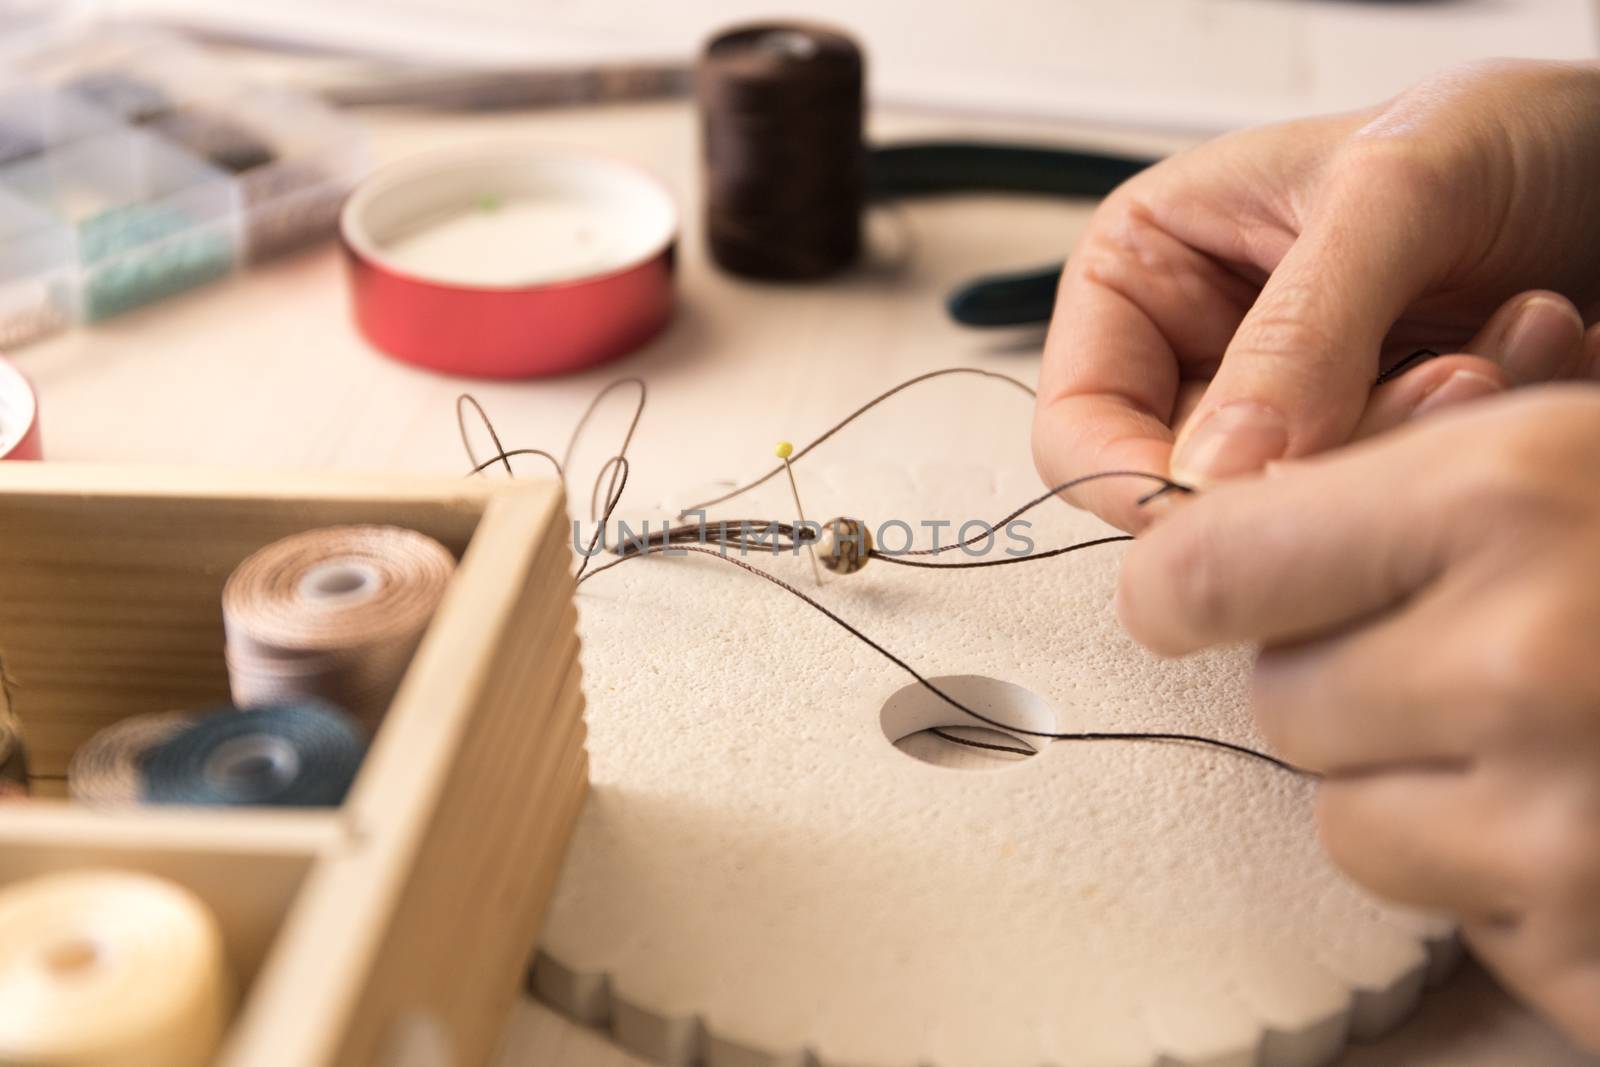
<point x="394" y="930"/>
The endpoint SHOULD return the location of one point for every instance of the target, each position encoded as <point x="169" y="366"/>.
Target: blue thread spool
<point x="286" y="755"/>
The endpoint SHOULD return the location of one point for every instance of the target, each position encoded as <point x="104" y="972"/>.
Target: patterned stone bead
<point x="845" y="545"/>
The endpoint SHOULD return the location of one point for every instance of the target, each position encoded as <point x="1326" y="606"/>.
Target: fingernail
<point x="1157" y="507"/>
<point x="1460" y="387"/>
<point x="1541" y="338"/>
<point x="1236" y="438"/>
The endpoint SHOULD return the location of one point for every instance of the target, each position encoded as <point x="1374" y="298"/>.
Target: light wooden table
<point x="266" y="370"/>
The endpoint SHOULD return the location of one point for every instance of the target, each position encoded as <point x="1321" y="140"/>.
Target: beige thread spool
<point x="107" y="968"/>
<point x="105" y="770"/>
<point x="332" y="615"/>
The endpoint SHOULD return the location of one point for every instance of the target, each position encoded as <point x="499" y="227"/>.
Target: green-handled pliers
<point x="928" y="168"/>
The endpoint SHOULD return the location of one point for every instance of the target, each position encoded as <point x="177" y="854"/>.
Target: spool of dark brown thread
<point x="785" y="165"/>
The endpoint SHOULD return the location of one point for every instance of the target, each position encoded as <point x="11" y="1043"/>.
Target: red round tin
<point x="510" y="262"/>
<point x="19" y="416"/>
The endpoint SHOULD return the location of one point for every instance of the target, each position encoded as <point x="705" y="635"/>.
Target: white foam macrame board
<point x="761" y="878"/>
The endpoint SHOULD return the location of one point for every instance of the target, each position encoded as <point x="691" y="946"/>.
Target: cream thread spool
<point x="332" y="615"/>
<point x="106" y="770"/>
<point x="108" y="968"/>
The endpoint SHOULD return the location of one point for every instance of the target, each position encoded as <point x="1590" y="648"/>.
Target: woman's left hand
<point x="1428" y="603"/>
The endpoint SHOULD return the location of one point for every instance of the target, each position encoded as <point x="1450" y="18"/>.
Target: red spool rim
<point x="19" y="415"/>
<point x="398" y="179"/>
<point x="575" y="270"/>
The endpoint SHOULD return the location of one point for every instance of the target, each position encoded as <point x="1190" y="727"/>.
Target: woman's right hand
<point x="1234" y="304"/>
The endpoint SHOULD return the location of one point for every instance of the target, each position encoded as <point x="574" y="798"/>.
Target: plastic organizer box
<point x="133" y="167"/>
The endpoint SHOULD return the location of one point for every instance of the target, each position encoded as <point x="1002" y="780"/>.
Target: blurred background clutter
<point x="150" y="146"/>
<point x="1199" y="65"/>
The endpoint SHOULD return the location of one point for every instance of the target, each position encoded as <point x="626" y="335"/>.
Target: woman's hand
<point x="1243" y="296"/>
<point x="1429" y="608"/>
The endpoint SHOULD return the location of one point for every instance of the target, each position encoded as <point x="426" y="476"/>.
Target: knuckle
<point x="1565" y="861"/>
<point x="1529" y="474"/>
<point x="1416" y="178"/>
<point x="1524" y="667"/>
<point x="1203" y="593"/>
<point x="1543" y="846"/>
<point x="1405" y="165"/>
<point x="1358" y="838"/>
<point x="1519" y="471"/>
<point x="1532" y="683"/>
<point x="1162" y="576"/>
<point x="1559" y="835"/>
<point x="1122" y="242"/>
<point x="1287" y="322"/>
